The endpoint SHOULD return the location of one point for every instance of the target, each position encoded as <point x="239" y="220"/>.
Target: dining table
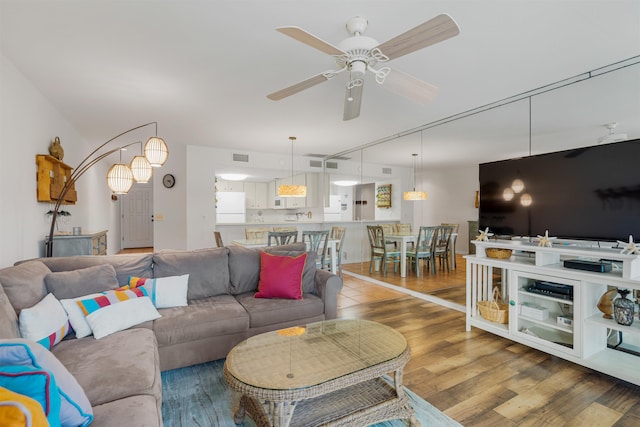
<point x="332" y="249"/>
<point x="403" y="238"/>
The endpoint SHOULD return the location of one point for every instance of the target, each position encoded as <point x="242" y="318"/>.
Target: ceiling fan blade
<point x="352" y="101"/>
<point x="298" y="87"/>
<point x="310" y="40"/>
<point x="426" y="34"/>
<point x="410" y="87"/>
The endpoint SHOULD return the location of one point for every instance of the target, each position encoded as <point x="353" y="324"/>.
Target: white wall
<point x="169" y="204"/>
<point x="451" y="195"/>
<point x="201" y="212"/>
<point x="28" y="123"/>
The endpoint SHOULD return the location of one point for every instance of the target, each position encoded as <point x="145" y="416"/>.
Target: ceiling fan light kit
<point x="359" y="54"/>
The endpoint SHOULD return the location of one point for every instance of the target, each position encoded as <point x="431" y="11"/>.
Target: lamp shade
<point x="156" y="151"/>
<point x="119" y="178"/>
<point x="141" y="169"/>
<point x="415" y="195"/>
<point x="292" y="191"/>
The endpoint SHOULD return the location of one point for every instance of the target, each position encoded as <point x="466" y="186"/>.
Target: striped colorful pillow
<point x="164" y="292"/>
<point x="108" y="298"/>
<point x="114" y="311"/>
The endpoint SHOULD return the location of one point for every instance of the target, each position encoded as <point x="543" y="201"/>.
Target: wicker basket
<point x="494" y="310"/>
<point x="498" y="253"/>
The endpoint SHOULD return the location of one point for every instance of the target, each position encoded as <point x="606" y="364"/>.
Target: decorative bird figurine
<point x="56" y="150"/>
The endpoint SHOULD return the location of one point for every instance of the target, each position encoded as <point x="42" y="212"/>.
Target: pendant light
<point x="415" y="195"/>
<point x="120" y="177"/>
<point x="292" y="190"/>
<point x="156" y="151"/>
<point x="141" y="168"/>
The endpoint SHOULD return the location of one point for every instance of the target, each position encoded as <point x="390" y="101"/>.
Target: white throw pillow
<point x="45" y="323"/>
<point x="76" y="316"/>
<point x="164" y="291"/>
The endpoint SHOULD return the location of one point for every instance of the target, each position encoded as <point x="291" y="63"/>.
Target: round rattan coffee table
<point x="325" y="373"/>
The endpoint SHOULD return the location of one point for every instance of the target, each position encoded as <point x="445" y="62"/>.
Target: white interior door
<point x="137" y="217"/>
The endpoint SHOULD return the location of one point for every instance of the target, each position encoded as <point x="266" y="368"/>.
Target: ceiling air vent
<point x="386" y="171"/>
<point x="315" y="163"/>
<point x="240" y="157"/>
<point x="331" y="165"/>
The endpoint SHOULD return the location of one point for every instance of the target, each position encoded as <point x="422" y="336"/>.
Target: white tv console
<point x="585" y="341"/>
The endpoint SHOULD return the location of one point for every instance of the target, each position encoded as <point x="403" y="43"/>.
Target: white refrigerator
<point x="230" y="207"/>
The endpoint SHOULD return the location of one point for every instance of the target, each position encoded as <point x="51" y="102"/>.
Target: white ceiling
<point x="202" y="69"/>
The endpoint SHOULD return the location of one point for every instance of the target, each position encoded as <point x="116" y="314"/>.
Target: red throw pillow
<point x="280" y="276"/>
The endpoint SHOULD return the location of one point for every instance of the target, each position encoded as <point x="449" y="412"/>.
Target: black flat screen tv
<point x="590" y="193"/>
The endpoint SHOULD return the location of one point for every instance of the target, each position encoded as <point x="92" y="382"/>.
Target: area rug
<point x="198" y="396"/>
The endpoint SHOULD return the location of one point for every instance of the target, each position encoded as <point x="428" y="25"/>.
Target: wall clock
<point x="168" y="180"/>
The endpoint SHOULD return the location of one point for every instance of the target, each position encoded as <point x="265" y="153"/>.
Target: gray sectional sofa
<point x="120" y="373"/>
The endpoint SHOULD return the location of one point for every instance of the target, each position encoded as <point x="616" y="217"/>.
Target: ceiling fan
<point x="359" y="54"/>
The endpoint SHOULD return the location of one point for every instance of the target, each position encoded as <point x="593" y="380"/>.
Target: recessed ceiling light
<point x="233" y="176"/>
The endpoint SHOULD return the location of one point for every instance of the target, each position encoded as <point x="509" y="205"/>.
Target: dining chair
<point x="287" y="228"/>
<point x="442" y="245"/>
<point x="218" y="237"/>
<point x="379" y="250"/>
<point x="390" y="229"/>
<point x="317" y="242"/>
<point x="278" y="238"/>
<point x="425" y="249"/>
<point x="452" y="244"/>
<point x="256" y="234"/>
<point x="403" y="228"/>
<point x="337" y="233"/>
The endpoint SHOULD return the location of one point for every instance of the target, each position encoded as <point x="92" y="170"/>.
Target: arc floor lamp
<point x="120" y="177"/>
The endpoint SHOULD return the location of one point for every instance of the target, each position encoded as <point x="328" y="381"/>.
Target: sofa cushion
<point x="263" y="312"/>
<point x="125" y="265"/>
<point x="45" y="323"/>
<point x="208" y="270"/>
<point x="202" y="318"/>
<point x="130" y="411"/>
<point x="84" y="281"/>
<point x="118" y="366"/>
<point x="24" y="283"/>
<point x="8" y="319"/>
<point x="75" y="408"/>
<point x="244" y="267"/>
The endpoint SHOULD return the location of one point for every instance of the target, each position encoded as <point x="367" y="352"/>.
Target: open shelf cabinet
<point x="584" y="340"/>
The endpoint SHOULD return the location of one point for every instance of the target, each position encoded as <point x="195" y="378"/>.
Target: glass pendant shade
<point x="119" y="178"/>
<point x="156" y="151"/>
<point x="415" y="195"/>
<point x="292" y="190"/>
<point x="517" y="185"/>
<point x="141" y="169"/>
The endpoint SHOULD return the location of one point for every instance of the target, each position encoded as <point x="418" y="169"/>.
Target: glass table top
<point x="306" y="356"/>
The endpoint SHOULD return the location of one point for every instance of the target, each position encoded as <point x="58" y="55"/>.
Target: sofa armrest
<point x="328" y="286"/>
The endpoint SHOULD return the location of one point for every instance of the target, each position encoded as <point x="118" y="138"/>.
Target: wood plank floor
<point x="480" y="379"/>
<point x="477" y="378"/>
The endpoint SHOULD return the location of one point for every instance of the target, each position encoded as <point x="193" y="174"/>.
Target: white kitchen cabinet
<point x="227" y="186"/>
<point x="256" y="194"/>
